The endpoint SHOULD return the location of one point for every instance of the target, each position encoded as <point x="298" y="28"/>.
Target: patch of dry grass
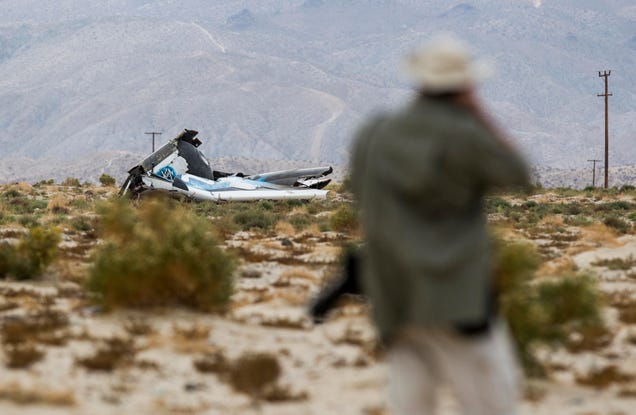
<point x="59" y="205"/>
<point x="591" y="338"/>
<point x="284" y="228"/>
<point x="626" y="304"/>
<point x="253" y="373"/>
<point x="35" y="327"/>
<point x="16" y="393"/>
<point x="22" y="355"/>
<point x="614" y="264"/>
<point x="112" y="353"/>
<point x="212" y="362"/>
<point x="604" y="377"/>
<point x="600" y="235"/>
<point x="137" y="326"/>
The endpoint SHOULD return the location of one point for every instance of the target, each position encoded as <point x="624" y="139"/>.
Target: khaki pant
<point x="481" y="371"/>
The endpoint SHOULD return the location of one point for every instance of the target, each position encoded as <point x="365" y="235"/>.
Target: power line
<point x="153" y="133"/>
<point x="606" y="74"/>
<point x="594" y="171"/>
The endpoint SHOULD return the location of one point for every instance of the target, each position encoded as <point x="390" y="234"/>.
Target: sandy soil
<point x="332" y="368"/>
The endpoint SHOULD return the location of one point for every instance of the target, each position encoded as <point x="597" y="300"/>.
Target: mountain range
<point x="292" y="80"/>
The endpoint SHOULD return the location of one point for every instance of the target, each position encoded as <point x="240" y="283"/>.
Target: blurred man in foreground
<point x="420" y="176"/>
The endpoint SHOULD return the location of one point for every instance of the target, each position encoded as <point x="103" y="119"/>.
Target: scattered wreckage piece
<point x="179" y="167"/>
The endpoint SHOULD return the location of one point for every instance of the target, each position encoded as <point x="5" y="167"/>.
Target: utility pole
<point x="606" y="74"/>
<point x="594" y="171"/>
<point x="153" y="133"/>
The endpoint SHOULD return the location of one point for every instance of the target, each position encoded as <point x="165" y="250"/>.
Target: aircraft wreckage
<point x="180" y="167"/>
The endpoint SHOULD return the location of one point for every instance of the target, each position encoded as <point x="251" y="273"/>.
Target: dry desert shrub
<point x="22" y="355"/>
<point x="604" y="377"/>
<point x="39" y="327"/>
<point x="253" y="373"/>
<point x="301" y="221"/>
<point x="617" y="223"/>
<point x="112" y="353"/>
<point x="22" y="187"/>
<point x="212" y="362"/>
<point x="107" y="180"/>
<point x="600" y="235"/>
<point x="628" y="392"/>
<point x="626" y="305"/>
<point x="190" y="332"/>
<point x="344" y="219"/>
<point x="161" y="254"/>
<point x="58" y="204"/>
<point x="558" y="266"/>
<point x="284" y="228"/>
<point x="552" y="221"/>
<point x="138" y="327"/>
<point x="33" y="253"/>
<point x="613" y="264"/>
<point x="71" y="182"/>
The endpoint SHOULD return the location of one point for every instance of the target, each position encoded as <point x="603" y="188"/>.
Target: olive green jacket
<point x="420" y="176"/>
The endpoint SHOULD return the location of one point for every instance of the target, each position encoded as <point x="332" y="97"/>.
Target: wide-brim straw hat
<point x="444" y="64"/>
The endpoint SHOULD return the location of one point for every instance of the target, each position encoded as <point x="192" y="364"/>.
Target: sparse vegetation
<point x="287" y="253"/>
<point x="613" y="264"/>
<point x="541" y="311"/>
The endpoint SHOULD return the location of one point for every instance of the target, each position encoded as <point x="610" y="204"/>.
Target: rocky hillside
<point x="293" y="79"/>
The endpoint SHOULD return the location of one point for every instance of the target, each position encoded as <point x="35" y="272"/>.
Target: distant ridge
<point x="295" y="79"/>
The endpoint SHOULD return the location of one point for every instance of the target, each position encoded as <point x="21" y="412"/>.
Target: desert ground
<point x="63" y="352"/>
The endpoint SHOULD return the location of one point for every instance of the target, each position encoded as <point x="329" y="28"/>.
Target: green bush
<point x="344" y="219"/>
<point x="544" y="312"/>
<point x="301" y="221"/>
<point x="28" y="221"/>
<point x="617" y="223"/>
<point x="107" y="180"/>
<point x="11" y="193"/>
<point x="255" y="217"/>
<point x="266" y="205"/>
<point x="83" y="223"/>
<point x="161" y="254"/>
<point x="497" y="205"/>
<point x="25" y="205"/>
<point x="71" y="182"/>
<point x="30" y="257"/>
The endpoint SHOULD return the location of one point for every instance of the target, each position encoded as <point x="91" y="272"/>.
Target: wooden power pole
<point x="606" y="74"/>
<point x="153" y="133"/>
<point x="594" y="171"/>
